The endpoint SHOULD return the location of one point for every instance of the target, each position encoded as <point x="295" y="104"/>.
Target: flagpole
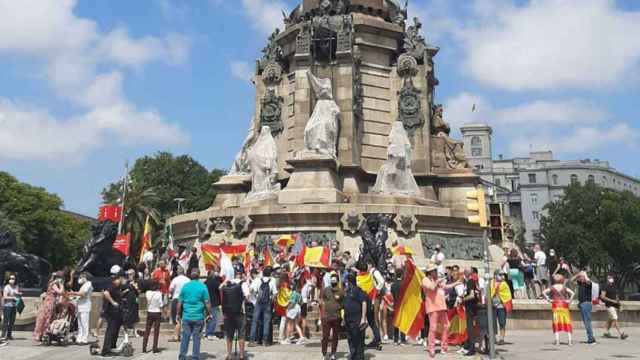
<point x="124" y="196"/>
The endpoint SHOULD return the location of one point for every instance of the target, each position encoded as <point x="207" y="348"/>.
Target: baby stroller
<point x="59" y="330"/>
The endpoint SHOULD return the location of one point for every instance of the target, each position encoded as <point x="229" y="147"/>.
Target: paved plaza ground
<point x="521" y="345"/>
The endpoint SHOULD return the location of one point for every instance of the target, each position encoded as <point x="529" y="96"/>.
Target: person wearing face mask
<point x="45" y="313"/>
<point x="10" y="295"/>
<point x="83" y="308"/>
<point x="113" y="298"/>
<point x="502" y="302"/>
<point x="611" y="300"/>
<point x="355" y="303"/>
<point x="330" y="305"/>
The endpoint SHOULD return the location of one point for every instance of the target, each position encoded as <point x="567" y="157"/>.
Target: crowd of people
<point x="350" y="297"/>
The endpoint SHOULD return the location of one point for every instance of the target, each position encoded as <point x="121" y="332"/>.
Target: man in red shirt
<point x="163" y="278"/>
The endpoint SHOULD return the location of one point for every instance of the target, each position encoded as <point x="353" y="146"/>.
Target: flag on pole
<point x="211" y="254"/>
<point x="409" y="308"/>
<point x="123" y="243"/>
<point x="285" y="241"/>
<point x="171" y="246"/>
<point x="183" y="259"/>
<point x="502" y="288"/>
<point x="366" y="283"/>
<point x="110" y="213"/>
<point x="318" y="257"/>
<point x="266" y="256"/>
<point x="146" y="239"/>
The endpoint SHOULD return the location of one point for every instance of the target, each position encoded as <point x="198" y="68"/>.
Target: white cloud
<point x="241" y="70"/>
<point x="81" y="65"/>
<point x="265" y="15"/>
<point x="118" y="47"/>
<point x="571" y="126"/>
<point x="543" y="44"/>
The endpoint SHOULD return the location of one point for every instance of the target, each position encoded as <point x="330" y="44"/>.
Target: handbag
<point x="19" y="305"/>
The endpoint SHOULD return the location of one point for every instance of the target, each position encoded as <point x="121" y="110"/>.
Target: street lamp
<point x="179" y="202"/>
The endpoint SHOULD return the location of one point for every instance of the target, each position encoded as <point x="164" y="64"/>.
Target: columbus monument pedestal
<point x="346" y="128"/>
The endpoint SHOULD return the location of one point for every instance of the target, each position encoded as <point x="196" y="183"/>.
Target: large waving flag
<point x="367" y="284"/>
<point x="211" y="254"/>
<point x="402" y="250"/>
<point x="282" y="300"/>
<point x="286" y="240"/>
<point x="146" y="239"/>
<point x="457" y="326"/>
<point x="226" y="266"/>
<point x="409" y="311"/>
<point x="318" y="257"/>
<point x="504" y="294"/>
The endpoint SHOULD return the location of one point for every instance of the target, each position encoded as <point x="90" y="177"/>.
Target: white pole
<point x="124" y="195"/>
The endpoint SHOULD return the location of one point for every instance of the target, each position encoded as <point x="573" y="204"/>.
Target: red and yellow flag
<point x="457" y="326"/>
<point x="402" y="250"/>
<point x="282" y="300"/>
<point x="317" y="257"/>
<point x="502" y="288"/>
<point x="285" y="241"/>
<point x="367" y="284"/>
<point x="211" y="254"/>
<point x="146" y="239"/>
<point x="409" y="311"/>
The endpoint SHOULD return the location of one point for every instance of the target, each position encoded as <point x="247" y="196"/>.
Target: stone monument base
<point x="314" y="181"/>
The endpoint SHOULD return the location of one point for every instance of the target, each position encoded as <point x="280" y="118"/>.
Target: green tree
<point x="40" y="226"/>
<point x="155" y="181"/>
<point x="596" y="227"/>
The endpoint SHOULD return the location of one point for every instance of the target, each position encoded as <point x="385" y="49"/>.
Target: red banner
<point x="123" y="243"/>
<point x="110" y="213"/>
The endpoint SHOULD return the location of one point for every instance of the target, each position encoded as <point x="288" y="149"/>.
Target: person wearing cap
<point x="438" y="259"/>
<point x="194" y="303"/>
<point x="83" y="308"/>
<point x="113" y="298"/>
<point x="436" y="306"/>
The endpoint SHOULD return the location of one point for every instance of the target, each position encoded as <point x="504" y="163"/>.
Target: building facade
<point x="526" y="184"/>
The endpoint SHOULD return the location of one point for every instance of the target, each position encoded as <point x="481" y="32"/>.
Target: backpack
<point x="232" y="299"/>
<point x="264" y="292"/>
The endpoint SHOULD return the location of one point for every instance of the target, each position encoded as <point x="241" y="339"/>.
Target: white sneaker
<point x="462" y="351"/>
<point x="386" y="338"/>
<point x="285" y="342"/>
<point x="420" y="341"/>
<point x="301" y="341"/>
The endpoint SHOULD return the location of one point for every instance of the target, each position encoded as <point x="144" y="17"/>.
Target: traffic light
<point x="477" y="206"/>
<point x="496" y="222"/>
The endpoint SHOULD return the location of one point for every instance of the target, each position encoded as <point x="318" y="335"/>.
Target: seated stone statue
<point x="450" y="149"/>
<point x="395" y="176"/>
<point x="240" y="164"/>
<point x="263" y="163"/>
<point x="321" y="132"/>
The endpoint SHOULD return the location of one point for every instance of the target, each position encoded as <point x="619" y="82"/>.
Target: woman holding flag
<point x="501" y="298"/>
<point x="436" y="307"/>
<point x="560" y="297"/>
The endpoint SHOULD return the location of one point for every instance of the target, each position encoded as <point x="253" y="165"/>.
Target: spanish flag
<point x="285" y="241"/>
<point x="266" y="255"/>
<point x="318" y="257"/>
<point x="211" y="254"/>
<point x="367" y="284"/>
<point x="457" y="325"/>
<point x="409" y="311"/>
<point x="402" y="250"/>
<point x="503" y="293"/>
<point x="282" y="300"/>
<point x="146" y="239"/>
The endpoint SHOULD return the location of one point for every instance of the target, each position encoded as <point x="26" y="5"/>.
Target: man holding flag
<point x="371" y="282"/>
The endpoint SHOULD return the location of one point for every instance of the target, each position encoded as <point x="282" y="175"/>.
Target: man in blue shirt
<point x="355" y="303"/>
<point x="194" y="300"/>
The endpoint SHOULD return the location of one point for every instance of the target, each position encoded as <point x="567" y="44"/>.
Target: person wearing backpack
<point x="264" y="289"/>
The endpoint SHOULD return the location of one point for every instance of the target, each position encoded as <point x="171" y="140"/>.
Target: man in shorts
<point x="233" y="298"/>
<point x="611" y="300"/>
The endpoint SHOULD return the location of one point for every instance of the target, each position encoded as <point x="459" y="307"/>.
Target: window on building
<point x="574" y="178"/>
<point x="590" y="179"/>
<point x="554" y="179"/>
<point x="498" y="182"/>
<point x="536" y="215"/>
<point x="604" y="180"/>
<point x="476" y="146"/>
<point x="532" y="178"/>
<point x="534" y="198"/>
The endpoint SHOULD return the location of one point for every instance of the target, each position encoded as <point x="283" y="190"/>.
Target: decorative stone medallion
<point x="272" y="73"/>
<point x="407" y="66"/>
<point x="409" y="108"/>
<point x="221" y="224"/>
<point x="271" y="111"/>
<point x="241" y="225"/>
<point x="352" y="221"/>
<point x="406" y="223"/>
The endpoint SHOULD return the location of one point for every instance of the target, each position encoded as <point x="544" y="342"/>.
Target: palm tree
<point x="140" y="202"/>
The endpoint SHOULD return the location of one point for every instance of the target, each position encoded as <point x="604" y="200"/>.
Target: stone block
<point x="314" y="180"/>
<point x="376" y="128"/>
<point x="376" y="152"/>
<point x="376" y="104"/>
<point x="376" y="92"/>
<point x="377" y="140"/>
<point x="378" y="116"/>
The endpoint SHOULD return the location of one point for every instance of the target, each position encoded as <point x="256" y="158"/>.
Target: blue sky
<point x="88" y="84"/>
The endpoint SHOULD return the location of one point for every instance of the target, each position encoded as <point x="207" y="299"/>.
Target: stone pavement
<point x="521" y="345"/>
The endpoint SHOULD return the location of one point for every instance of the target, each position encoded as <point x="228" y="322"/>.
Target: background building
<point x="526" y="184"/>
